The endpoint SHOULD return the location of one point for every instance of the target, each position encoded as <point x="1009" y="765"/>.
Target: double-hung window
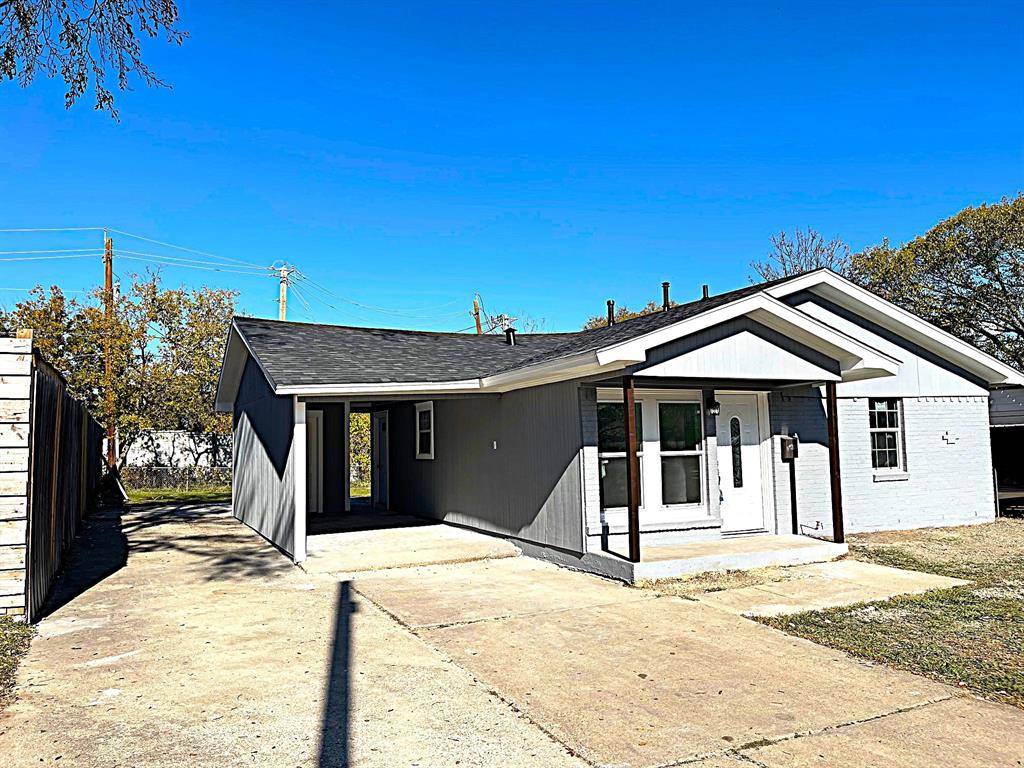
<point x="611" y="452"/>
<point x="425" y="430"/>
<point x="885" y="424"/>
<point x="681" y="437"/>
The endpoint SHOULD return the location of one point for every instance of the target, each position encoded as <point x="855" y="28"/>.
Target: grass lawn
<point x="970" y="636"/>
<point x="14" y="640"/>
<point x="201" y="493"/>
<point x="357" y="490"/>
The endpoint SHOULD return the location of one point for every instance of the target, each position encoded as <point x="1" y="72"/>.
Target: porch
<point x="663" y="561"/>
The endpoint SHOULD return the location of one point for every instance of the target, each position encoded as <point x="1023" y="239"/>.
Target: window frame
<point x="699" y="451"/>
<point x="603" y="455"/>
<point x="648" y="400"/>
<point x="424" y="407"/>
<point x="897" y="431"/>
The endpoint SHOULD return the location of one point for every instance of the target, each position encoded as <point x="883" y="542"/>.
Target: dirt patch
<point x="717" y="581"/>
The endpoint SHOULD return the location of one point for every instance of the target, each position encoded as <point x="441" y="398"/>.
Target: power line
<point x="183" y="261"/>
<point x="83" y="251"/>
<point x="52" y="258"/>
<point x="55" y="229"/>
<point x="183" y="248"/>
<point x="188" y="266"/>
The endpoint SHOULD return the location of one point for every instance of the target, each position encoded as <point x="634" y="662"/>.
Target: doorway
<point x="740" y="469"/>
<point x="314" y="461"/>
<point x="379" y="483"/>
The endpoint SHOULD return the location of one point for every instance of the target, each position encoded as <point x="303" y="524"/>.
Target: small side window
<point x="425" y="430"/>
<point x="886" y="428"/>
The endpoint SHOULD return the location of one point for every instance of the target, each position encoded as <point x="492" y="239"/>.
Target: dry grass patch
<point x="717" y="581"/>
<point x="14" y="640"/>
<point x="971" y="636"/>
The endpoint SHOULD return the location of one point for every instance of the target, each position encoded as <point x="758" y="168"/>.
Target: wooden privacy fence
<point x="51" y="463"/>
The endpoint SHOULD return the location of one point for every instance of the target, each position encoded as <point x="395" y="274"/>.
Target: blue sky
<point x="547" y="155"/>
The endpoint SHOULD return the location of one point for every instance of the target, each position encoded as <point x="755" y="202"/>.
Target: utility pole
<point x="284" y="275"/>
<point x="476" y="317"/>
<point x="108" y="364"/>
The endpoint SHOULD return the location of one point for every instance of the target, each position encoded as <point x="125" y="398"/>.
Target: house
<point x="1006" y="411"/>
<point x="805" y="406"/>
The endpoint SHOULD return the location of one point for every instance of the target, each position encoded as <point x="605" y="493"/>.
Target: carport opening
<point x="349" y="483"/>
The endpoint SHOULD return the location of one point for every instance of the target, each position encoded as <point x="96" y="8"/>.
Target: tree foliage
<point x="803" y="251"/>
<point x="966" y="275"/>
<point x="359" y="445"/>
<point x="83" y="43"/>
<point x="624" y="313"/>
<point x="165" y="347"/>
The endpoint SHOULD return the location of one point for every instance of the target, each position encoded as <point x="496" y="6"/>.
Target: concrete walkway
<point x="826" y="585"/>
<point x="185" y="641"/>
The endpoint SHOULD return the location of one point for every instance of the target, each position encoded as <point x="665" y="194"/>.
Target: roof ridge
<point x="460" y="334"/>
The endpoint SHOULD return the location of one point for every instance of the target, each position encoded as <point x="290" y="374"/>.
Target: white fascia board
<point x="851" y="354"/>
<point x="851" y="296"/>
<point x="563" y="369"/>
<point x="385" y="388"/>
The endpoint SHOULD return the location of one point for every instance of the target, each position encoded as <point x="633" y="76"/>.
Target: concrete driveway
<point x="185" y="640"/>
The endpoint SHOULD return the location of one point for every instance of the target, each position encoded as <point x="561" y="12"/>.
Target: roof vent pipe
<point x="510" y="336"/>
<point x="611" y="312"/>
<point x="705" y="294"/>
<point x="665" y="304"/>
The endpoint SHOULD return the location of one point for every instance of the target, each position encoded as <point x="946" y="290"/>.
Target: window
<point x="886" y="430"/>
<point x="736" y="441"/>
<point x="611" y="451"/>
<point x="681" y="436"/>
<point x="425" y="430"/>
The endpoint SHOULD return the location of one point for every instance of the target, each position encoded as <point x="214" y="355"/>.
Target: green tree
<point x="803" y="251"/>
<point x="165" y="349"/>
<point x="966" y="275"/>
<point x="83" y="42"/>
<point x="359" y="442"/>
<point x="624" y="313"/>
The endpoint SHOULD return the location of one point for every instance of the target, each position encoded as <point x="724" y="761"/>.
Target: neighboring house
<point x="177" y="449"/>
<point x="1007" y="418"/>
<point x="525" y="436"/>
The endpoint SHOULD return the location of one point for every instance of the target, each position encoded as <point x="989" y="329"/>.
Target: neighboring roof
<point x="1006" y="407"/>
<point x="307" y="358"/>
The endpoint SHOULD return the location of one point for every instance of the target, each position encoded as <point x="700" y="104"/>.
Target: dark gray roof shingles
<point x="295" y="354"/>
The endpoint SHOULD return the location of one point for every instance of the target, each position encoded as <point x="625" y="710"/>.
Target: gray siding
<point x="263" y="489"/>
<point x="528" y="487"/>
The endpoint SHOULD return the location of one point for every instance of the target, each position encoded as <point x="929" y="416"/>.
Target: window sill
<point x="891" y="477"/>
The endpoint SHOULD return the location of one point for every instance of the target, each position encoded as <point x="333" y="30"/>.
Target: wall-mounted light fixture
<point x="713" y="407"/>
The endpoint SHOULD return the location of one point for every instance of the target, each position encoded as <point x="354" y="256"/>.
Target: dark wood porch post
<point x="632" y="468"/>
<point x="838" y="534"/>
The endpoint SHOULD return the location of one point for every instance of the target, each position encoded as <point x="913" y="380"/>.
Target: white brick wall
<point x="946" y="483"/>
<point x="948" y="461"/>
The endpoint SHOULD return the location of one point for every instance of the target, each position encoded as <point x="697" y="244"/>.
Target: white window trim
<point x="901" y="463"/>
<point x="420" y="408"/>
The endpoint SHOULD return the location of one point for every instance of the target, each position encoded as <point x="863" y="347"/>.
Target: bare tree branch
<point x="83" y="43"/>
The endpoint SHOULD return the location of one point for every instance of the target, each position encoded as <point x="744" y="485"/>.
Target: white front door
<point x="379" y="459"/>
<point x="314" y="461"/>
<point x="739" y="464"/>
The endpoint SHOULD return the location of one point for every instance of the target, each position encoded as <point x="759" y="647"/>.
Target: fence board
<point x="65" y="466"/>
<point x="12" y="557"/>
